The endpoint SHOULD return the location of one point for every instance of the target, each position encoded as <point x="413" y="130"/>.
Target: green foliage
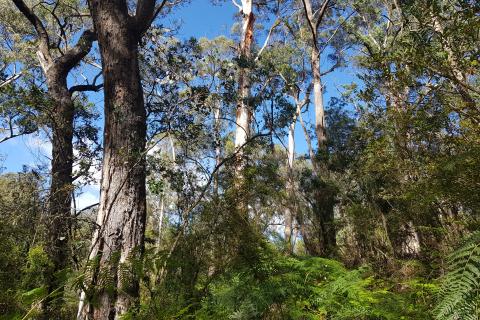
<point x="306" y="288"/>
<point x="37" y="264"/>
<point x="20" y="204"/>
<point x="459" y="296"/>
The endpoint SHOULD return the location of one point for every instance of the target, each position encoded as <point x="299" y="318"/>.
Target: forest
<point x="239" y="159"/>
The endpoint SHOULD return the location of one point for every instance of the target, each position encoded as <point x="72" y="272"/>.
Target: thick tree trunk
<point x="119" y="241"/>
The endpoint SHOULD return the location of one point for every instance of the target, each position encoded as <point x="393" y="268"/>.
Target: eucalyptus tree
<point x="243" y="110"/>
<point x="247" y="95"/>
<point x="118" y="242"/>
<point x="314" y="30"/>
<point x="62" y="40"/>
<point x="286" y="61"/>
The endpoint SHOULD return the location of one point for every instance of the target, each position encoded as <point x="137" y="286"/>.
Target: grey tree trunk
<point x="290" y="207"/>
<point x="61" y="187"/>
<point x="314" y="20"/>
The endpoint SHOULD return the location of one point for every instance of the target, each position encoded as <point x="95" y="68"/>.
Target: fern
<point x="459" y="295"/>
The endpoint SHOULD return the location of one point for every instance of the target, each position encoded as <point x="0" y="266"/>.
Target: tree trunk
<point x="319" y="236"/>
<point x="61" y="188"/>
<point x="318" y="99"/>
<point x="218" y="147"/>
<point x="61" y="119"/>
<point x="119" y="241"/>
<point x="160" y="222"/>
<point x="244" y="112"/>
<point x="289" y="208"/>
<point x="460" y="78"/>
<point x="314" y="19"/>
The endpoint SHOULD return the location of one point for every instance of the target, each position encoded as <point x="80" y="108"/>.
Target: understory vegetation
<point x="320" y="160"/>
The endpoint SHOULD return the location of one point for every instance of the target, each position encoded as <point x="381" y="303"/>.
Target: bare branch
<point x="237" y="5"/>
<point x="275" y="24"/>
<point x="10" y="79"/>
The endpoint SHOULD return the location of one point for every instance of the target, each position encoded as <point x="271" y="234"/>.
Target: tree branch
<point x="237" y="5"/>
<point x="86" y="87"/>
<point x="275" y="24"/>
<point x="39" y="28"/>
<point x="10" y="79"/>
<point x="74" y="55"/>
<point x="323" y="10"/>
<point x="145" y="14"/>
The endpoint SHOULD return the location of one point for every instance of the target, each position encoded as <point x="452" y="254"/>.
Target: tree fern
<point x="459" y="295"/>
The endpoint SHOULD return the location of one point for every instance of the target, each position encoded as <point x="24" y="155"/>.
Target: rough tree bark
<point x="61" y="115"/>
<point x="119" y="240"/>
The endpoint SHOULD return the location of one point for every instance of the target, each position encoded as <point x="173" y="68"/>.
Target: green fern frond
<point x="459" y="296"/>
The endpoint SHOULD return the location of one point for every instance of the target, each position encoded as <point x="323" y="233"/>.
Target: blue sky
<point x="198" y="19"/>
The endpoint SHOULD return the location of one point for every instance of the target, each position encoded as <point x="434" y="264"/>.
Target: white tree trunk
<point x="244" y="114"/>
<point x="288" y="215"/>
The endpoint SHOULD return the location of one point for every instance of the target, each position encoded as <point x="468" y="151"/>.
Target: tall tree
<point x="56" y="63"/>
<point x="244" y="110"/>
<point x="119" y="240"/>
<point x="314" y="21"/>
<point x="314" y="29"/>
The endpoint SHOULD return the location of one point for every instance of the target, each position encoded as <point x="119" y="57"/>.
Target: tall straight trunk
<point x="160" y="222"/>
<point x="244" y="112"/>
<point x="314" y="20"/>
<point x="318" y="99"/>
<point x="218" y="147"/>
<point x="320" y="235"/>
<point x="56" y="70"/>
<point x="119" y="240"/>
<point x="289" y="208"/>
